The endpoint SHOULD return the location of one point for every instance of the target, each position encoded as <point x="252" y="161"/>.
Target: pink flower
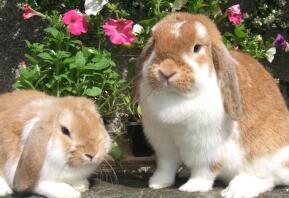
<point x="234" y="14"/>
<point x="75" y="22"/>
<point x="119" y="31"/>
<point x="29" y="12"/>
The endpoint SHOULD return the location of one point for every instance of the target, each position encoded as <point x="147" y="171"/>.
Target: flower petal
<point x="234" y="14"/>
<point x="77" y="23"/>
<point x="280" y="41"/>
<point x="119" y="31"/>
<point x="74" y="29"/>
<point x="93" y="7"/>
<point x="28" y="12"/>
<point x="137" y="29"/>
<point x="27" y="15"/>
<point x="270" y="54"/>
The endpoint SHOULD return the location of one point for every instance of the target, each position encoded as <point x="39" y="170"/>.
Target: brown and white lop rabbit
<point x="218" y="112"/>
<point x="49" y="145"/>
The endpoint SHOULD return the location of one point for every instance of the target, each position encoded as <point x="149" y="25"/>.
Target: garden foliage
<point x="79" y="54"/>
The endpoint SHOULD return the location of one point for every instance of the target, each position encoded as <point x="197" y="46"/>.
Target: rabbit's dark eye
<point x="65" y="131"/>
<point x="197" y="48"/>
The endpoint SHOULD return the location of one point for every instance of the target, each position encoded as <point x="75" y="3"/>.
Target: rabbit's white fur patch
<point x="176" y="28"/>
<point x="55" y="168"/>
<point x="201" y="30"/>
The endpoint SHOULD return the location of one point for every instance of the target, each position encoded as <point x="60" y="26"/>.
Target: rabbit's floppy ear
<point x="225" y="67"/>
<point x="146" y="52"/>
<point x="32" y="157"/>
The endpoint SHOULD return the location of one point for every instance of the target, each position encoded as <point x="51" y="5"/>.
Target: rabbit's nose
<point x="166" y="75"/>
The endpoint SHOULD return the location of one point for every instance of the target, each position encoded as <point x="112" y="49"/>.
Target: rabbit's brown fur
<point x="265" y="124"/>
<point x="218" y="112"/>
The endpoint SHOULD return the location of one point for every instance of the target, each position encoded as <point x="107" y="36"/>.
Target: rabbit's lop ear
<point x="146" y="52"/>
<point x="225" y="67"/>
<point x="32" y="158"/>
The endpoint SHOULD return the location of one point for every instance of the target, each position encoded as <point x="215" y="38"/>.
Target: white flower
<point x="178" y="4"/>
<point x="93" y="7"/>
<point x="137" y="29"/>
<point x="270" y="54"/>
<point x="259" y="38"/>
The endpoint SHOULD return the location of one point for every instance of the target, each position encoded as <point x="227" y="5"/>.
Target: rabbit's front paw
<point x="247" y="187"/>
<point x="197" y="185"/>
<point x="4" y="188"/>
<point x="81" y="186"/>
<point x="56" y="190"/>
<point x="161" y="180"/>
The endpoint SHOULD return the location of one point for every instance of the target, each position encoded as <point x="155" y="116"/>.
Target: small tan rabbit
<point x="218" y="112"/>
<point x="49" y="145"/>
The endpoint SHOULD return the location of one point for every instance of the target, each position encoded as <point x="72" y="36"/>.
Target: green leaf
<point x="53" y="31"/>
<point x="127" y="99"/>
<point x="69" y="60"/>
<point x="36" y="47"/>
<point x="228" y="34"/>
<point x="63" y="54"/>
<point x="49" y="85"/>
<point x="63" y="76"/>
<point x="95" y="66"/>
<point x="29" y="73"/>
<point x="240" y="31"/>
<point x="116" y="151"/>
<point x="79" y="59"/>
<point x="29" y="84"/>
<point x="99" y="63"/>
<point x="45" y="56"/>
<point x="147" y="22"/>
<point x="28" y="44"/>
<point x="139" y="110"/>
<point x="112" y="63"/>
<point x="72" y="66"/>
<point x="94" y="91"/>
<point x="31" y="59"/>
<point x="17" y="85"/>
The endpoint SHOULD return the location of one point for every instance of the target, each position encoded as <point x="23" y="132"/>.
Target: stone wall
<point x="13" y="31"/>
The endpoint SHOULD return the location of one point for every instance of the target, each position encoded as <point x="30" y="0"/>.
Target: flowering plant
<point x="62" y="65"/>
<point x="114" y="30"/>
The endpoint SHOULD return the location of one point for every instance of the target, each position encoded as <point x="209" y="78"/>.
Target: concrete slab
<point x="135" y="186"/>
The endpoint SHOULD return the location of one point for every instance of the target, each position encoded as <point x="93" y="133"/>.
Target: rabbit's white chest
<point x="197" y="125"/>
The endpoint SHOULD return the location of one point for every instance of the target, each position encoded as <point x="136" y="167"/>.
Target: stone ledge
<point x="135" y="186"/>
